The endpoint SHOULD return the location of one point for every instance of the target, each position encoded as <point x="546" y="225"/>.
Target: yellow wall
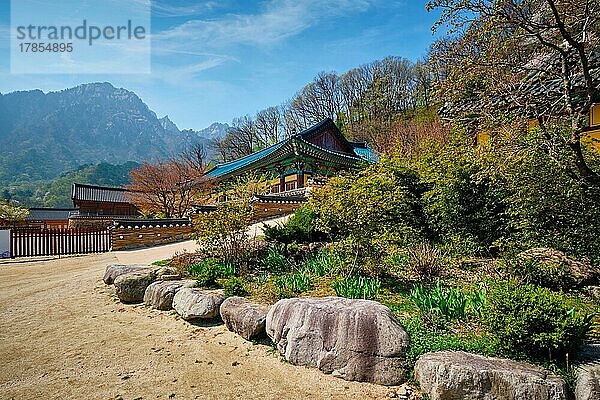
<point x="533" y="124"/>
<point x="483" y="138"/>
<point x="290" y="178"/>
<point x="592" y="138"/>
<point x="595" y="115"/>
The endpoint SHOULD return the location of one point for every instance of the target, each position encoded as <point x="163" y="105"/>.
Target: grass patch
<point x="293" y="285"/>
<point x="423" y="339"/>
<point x="357" y="287"/>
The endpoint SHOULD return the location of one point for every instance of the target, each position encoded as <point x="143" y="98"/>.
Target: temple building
<point x="295" y="165"/>
<point x="101" y="201"/>
<point x="50" y="218"/>
<point x="539" y="97"/>
<point x="316" y="153"/>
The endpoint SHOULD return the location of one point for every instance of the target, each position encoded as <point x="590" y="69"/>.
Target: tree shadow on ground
<point x="206" y="322"/>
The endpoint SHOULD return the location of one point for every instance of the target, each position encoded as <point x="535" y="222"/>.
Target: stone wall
<point x="264" y="211"/>
<point x="144" y="234"/>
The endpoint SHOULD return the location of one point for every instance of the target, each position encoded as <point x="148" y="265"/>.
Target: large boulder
<point x="167" y="274"/>
<point x="582" y="272"/>
<point x="130" y="287"/>
<point x="587" y="384"/>
<point x="160" y="294"/>
<point x="115" y="270"/>
<point x="357" y="340"/>
<point x="192" y="303"/>
<point x="449" y="375"/>
<point x="244" y="317"/>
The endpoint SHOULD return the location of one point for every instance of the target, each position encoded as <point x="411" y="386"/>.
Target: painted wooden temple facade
<point x="308" y="157"/>
<point x="294" y="164"/>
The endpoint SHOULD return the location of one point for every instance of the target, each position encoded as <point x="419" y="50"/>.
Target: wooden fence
<point x="27" y="242"/>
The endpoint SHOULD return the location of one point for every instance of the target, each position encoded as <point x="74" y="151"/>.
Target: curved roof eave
<point x="282" y="151"/>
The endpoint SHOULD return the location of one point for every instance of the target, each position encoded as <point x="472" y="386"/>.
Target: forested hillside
<point x="366" y="102"/>
<point x="45" y="135"/>
<point x="57" y="192"/>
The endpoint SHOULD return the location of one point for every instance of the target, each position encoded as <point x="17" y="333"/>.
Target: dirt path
<point x="64" y="335"/>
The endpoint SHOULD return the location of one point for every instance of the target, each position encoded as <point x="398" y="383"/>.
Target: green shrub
<point x="234" y="286"/>
<point x="547" y="205"/>
<point x="299" y="228"/>
<point x="534" y="321"/>
<point x="463" y="206"/>
<point x="424" y="340"/>
<point x="358" y="287"/>
<point x="208" y="271"/>
<point x="378" y="204"/>
<point x="449" y="302"/>
<point x="293" y="285"/>
<point x="275" y="260"/>
<point x="396" y="261"/>
<point x="321" y="264"/>
<point x="222" y="232"/>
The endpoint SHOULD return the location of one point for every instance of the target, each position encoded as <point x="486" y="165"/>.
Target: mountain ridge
<point x="48" y="134"/>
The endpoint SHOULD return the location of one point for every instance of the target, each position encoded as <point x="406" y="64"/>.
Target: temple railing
<point x="293" y="192"/>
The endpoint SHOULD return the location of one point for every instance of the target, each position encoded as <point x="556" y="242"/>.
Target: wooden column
<point x="300" y="179"/>
<point x="300" y="165"/>
<point x="281" y="183"/>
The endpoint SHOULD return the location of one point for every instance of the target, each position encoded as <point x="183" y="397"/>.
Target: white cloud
<point x="277" y="21"/>
<point x="187" y="75"/>
<point x="211" y="39"/>
<point x="165" y="9"/>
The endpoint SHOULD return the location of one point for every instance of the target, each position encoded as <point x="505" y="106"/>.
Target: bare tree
<point x="194" y="156"/>
<point x="269" y="125"/>
<point x="537" y="58"/>
<point x="240" y="140"/>
<point x="318" y="100"/>
<point x="365" y="100"/>
<point x="328" y="94"/>
<point x="353" y="87"/>
<point x="167" y="189"/>
<point x="423" y="83"/>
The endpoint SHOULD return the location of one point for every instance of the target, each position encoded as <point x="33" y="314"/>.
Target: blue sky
<point x="216" y="60"/>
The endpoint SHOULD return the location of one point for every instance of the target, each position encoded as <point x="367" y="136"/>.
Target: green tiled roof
<point x="226" y="168"/>
<point x="356" y="151"/>
<point x="365" y="152"/>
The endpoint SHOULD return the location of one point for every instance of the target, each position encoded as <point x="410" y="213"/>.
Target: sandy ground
<point x="64" y="335"/>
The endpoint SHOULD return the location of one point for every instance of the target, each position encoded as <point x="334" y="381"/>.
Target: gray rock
<point x="170" y="277"/>
<point x="131" y="287"/>
<point x="581" y="271"/>
<point x="160" y="294"/>
<point x="244" y="317"/>
<point x="358" y="340"/>
<point x="115" y="270"/>
<point x="166" y="273"/>
<point x="192" y="303"/>
<point x="587" y="384"/>
<point x="594" y="292"/>
<point x="449" y="375"/>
